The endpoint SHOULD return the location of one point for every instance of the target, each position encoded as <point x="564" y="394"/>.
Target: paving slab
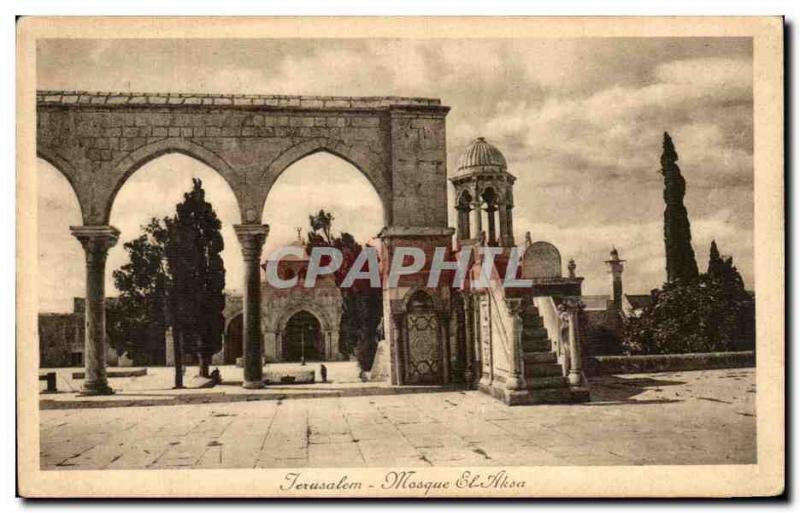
<point x="696" y="417"/>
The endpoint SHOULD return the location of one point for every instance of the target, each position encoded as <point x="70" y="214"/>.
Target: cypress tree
<point x="681" y="264"/>
<point x="198" y="273"/>
<point x="722" y="270"/>
<point x="715" y="263"/>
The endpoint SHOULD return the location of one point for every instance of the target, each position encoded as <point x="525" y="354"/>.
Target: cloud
<point x="321" y="181"/>
<point x="580" y="122"/>
<point x="642" y="246"/>
<point x="709" y="76"/>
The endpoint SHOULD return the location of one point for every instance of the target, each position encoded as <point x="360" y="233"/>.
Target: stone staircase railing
<point x="511" y="342"/>
<point x="530" y="346"/>
<point x="562" y="323"/>
<point x="551" y="318"/>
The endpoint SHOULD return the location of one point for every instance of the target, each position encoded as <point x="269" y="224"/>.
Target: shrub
<point x="707" y="314"/>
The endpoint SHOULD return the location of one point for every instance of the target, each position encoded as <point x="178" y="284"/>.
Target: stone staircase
<point x="543" y="373"/>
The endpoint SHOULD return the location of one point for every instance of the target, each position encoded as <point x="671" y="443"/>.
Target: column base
<point x="96" y="389"/>
<point x="515" y="382"/>
<point x="253" y="385"/>
<point x="469" y="378"/>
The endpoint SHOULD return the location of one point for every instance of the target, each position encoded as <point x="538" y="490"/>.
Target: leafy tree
<point x="138" y="318"/>
<point x="198" y="279"/>
<point x="711" y="313"/>
<point x="681" y="264"/>
<point x="362" y="305"/>
<point x="322" y="221"/>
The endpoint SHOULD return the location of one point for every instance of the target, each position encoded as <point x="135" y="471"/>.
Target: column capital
<point x="95" y="239"/>
<point x="251" y="237"/>
<point x="515" y="306"/>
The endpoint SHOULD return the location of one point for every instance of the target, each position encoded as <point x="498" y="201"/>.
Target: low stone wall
<point x="598" y="365"/>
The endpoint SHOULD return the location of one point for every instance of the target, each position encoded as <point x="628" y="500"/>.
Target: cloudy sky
<point x="580" y="122"/>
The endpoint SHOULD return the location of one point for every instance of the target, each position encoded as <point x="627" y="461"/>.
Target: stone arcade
<point x="522" y="346"/>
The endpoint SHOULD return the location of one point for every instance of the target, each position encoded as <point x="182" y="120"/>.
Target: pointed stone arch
<point x="368" y="165"/>
<point x="133" y="161"/>
<point x="66" y="170"/>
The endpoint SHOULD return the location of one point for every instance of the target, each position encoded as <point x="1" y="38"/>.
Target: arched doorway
<point x="233" y="340"/>
<point x="302" y="338"/>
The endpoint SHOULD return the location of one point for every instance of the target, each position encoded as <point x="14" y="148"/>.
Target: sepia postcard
<point x="400" y="257"/>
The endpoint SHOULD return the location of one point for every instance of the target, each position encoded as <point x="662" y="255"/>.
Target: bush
<point x="708" y="314"/>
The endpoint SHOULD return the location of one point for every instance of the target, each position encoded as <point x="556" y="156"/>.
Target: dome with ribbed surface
<point x="480" y="154"/>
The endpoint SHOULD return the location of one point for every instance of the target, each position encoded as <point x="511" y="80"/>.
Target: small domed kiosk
<point x="484" y="198"/>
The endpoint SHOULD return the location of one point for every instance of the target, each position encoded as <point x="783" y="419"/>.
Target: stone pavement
<point x="155" y="388"/>
<point x="161" y="379"/>
<point x="700" y="417"/>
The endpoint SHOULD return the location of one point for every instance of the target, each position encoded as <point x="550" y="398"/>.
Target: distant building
<point x="61" y="338"/>
<point x="296" y="322"/>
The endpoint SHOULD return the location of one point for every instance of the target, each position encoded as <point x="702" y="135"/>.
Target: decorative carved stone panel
<point x="486" y="336"/>
<point x="541" y="260"/>
<point x="424" y="351"/>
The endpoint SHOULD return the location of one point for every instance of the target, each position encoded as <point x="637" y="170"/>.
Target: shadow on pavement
<point x="621" y="390"/>
<point x="119" y="400"/>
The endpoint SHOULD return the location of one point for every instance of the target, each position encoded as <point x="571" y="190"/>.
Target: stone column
<point x="399" y="364"/>
<point x="516" y="380"/>
<point x="463" y="223"/>
<point x="327" y="340"/>
<point x="444" y="336"/>
<point x="480" y="300"/>
<point x="460" y="338"/>
<point x="477" y="221"/>
<point x="469" y="357"/>
<point x="96" y="241"/>
<point x="506" y="226"/>
<point x="335" y="353"/>
<point x="490" y="210"/>
<point x="252" y="237"/>
<point x="572" y="308"/>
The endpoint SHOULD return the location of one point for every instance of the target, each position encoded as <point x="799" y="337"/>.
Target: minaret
<point x="615" y="267"/>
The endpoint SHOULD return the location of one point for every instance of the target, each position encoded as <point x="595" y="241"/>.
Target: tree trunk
<point x="178" y="360"/>
<point x="205" y="363"/>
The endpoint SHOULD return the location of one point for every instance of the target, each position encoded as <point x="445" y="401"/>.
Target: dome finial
<point x="481" y="154"/>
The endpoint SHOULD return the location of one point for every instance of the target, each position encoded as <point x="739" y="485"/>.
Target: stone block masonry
<point x="98" y="140"/>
